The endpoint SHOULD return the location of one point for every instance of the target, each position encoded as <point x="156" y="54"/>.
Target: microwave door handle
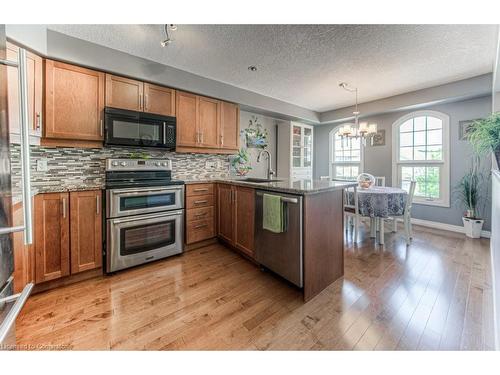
<point x="164" y="133"/>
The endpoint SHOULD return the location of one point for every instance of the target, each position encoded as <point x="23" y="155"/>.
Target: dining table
<point x="379" y="203"/>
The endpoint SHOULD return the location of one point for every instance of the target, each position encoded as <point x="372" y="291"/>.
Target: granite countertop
<point x="67" y="188"/>
<point x="282" y="185"/>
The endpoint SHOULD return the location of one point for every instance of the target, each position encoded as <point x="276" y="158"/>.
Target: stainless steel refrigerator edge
<point x="11" y="304"/>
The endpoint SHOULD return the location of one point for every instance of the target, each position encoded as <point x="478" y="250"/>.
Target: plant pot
<point x="473" y="227"/>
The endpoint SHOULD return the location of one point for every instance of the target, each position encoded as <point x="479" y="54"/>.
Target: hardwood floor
<point x="434" y="295"/>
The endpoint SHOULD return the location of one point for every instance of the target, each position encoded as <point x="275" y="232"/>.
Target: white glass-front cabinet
<point x="295" y="151"/>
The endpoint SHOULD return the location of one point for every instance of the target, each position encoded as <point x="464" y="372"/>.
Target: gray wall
<point x="378" y="160"/>
<point x="269" y="123"/>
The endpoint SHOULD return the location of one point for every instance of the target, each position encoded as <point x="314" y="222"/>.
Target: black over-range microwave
<point x="138" y="129"/>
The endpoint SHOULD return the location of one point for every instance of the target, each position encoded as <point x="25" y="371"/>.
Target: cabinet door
<point x="86" y="230"/>
<point x="229" y="126"/>
<point x="208" y="121"/>
<point x="51" y="236"/>
<point x="124" y="93"/>
<point x="244" y="213"/>
<point x="225" y="212"/>
<point x="159" y="100"/>
<point x="187" y="113"/>
<point x="74" y="102"/>
<point x="23" y="254"/>
<point x="34" y="67"/>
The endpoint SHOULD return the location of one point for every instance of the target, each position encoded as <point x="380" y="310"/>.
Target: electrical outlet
<point x="210" y="165"/>
<point x="41" y="165"/>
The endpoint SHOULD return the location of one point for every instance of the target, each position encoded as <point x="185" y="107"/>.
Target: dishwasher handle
<point x="283" y="199"/>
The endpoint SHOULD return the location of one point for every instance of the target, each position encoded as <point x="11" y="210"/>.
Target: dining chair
<point x="379" y="180"/>
<point x="351" y="211"/>
<point x="406" y="217"/>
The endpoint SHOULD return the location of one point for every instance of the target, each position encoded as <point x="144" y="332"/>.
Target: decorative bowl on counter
<point x="366" y="180"/>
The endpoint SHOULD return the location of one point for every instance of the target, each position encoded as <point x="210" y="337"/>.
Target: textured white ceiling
<point x="303" y="64"/>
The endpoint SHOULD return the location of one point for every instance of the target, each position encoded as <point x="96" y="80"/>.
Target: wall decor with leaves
<point x="256" y="136"/>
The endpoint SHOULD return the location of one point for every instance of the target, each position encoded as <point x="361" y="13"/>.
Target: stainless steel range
<point x="144" y="212"/>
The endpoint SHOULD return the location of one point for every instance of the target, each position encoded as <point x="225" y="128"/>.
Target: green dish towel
<point x="272" y="212"/>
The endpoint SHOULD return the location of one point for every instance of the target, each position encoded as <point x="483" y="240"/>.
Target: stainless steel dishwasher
<point x="281" y="252"/>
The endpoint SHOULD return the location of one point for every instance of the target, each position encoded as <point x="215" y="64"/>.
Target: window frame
<point x="331" y="151"/>
<point x="444" y="183"/>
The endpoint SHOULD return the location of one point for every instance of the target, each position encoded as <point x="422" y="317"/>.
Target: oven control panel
<point x="138" y="165"/>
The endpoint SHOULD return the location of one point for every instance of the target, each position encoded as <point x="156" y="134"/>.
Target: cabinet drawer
<point x="200" y="201"/>
<point x="199" y="189"/>
<point x="200" y="213"/>
<point x="200" y="230"/>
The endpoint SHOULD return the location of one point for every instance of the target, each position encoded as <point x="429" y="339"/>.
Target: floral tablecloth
<point x="380" y="201"/>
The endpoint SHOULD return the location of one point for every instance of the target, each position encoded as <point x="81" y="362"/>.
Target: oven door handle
<point x="135" y="192"/>
<point x="147" y="217"/>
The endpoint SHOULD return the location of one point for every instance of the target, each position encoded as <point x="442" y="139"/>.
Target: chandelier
<point x="357" y="130"/>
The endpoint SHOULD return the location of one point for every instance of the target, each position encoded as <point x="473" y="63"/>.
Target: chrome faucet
<point x="270" y="172"/>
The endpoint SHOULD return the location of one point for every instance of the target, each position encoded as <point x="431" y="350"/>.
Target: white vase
<point x="473" y="227"/>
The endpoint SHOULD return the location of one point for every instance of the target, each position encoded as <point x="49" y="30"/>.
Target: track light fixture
<point x="168" y="40"/>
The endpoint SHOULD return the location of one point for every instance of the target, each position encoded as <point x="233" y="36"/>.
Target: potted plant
<point x="484" y="135"/>
<point x="240" y="162"/>
<point x="256" y="135"/>
<point x="470" y="196"/>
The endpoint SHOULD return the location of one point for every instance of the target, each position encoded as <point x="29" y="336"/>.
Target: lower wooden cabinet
<point x="85" y="230"/>
<point x="235" y="216"/>
<point x="200" y="221"/>
<point x="23" y="254"/>
<point x="68" y="234"/>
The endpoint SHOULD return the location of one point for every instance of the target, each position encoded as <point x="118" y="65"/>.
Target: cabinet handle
<point x="221" y="140"/>
<point x="64" y="208"/>
<point x="145" y="102"/>
<point x="140" y="102"/>
<point x="201" y="215"/>
<point x="200" y="226"/>
<point x="201" y="189"/>
<point x="38" y="122"/>
<point x="101" y="124"/>
<point x="97" y="205"/>
<point x="201" y="202"/>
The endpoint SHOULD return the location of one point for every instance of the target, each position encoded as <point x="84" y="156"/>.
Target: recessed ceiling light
<point x="252" y="68"/>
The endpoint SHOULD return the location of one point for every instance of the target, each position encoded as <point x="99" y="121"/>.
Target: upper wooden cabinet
<point x="230" y="126"/>
<point x="159" y="100"/>
<point x="206" y="124"/>
<point x="187" y="119"/>
<point x="124" y="93"/>
<point x="34" y="66"/>
<point x="74" y="102"/>
<point x="85" y="230"/>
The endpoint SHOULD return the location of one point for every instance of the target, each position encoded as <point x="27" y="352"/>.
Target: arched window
<point x="420" y="152"/>
<point x="346" y="156"/>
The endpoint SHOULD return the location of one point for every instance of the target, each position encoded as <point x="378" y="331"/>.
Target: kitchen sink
<point x="258" y="180"/>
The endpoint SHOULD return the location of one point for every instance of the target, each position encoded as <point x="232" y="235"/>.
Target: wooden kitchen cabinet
<point x="124" y="93"/>
<point x="200" y="219"/>
<point x="208" y="122"/>
<point x="159" y="100"/>
<point x="51" y="236"/>
<point x="187" y="119"/>
<point x="206" y="125"/>
<point x="74" y="104"/>
<point x="23" y="254"/>
<point x="229" y="133"/>
<point x="235" y="216"/>
<point x="85" y="230"/>
<point x="34" y="67"/>
<point x="244" y="213"/>
<point x="68" y="234"/>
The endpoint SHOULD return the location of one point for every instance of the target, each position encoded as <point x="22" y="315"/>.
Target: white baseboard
<point x="444" y="226"/>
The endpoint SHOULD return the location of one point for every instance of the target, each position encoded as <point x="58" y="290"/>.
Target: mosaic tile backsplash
<point x="81" y="168"/>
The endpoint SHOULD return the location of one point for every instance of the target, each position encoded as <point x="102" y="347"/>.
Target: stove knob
<point x="158" y="163"/>
<point x="164" y="164"/>
<point x="123" y="164"/>
<point x="114" y="164"/>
